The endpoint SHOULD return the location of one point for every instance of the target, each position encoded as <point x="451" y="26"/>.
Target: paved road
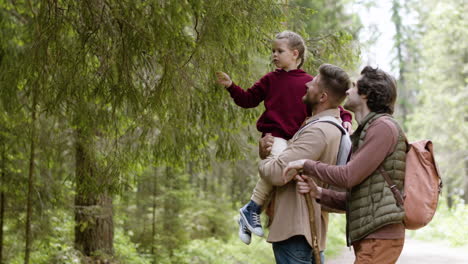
<point x="415" y="252"/>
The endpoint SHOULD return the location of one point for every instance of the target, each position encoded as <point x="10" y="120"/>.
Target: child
<point x="282" y="92"/>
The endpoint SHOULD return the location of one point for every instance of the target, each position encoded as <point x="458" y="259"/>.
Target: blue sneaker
<point x="250" y="213"/>
<point x="244" y="233"/>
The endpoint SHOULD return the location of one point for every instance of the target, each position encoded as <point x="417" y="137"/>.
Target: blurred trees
<point x="116" y="143"/>
<point x="113" y="130"/>
<point x="432" y="60"/>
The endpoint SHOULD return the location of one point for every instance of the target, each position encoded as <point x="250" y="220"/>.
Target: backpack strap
<point x="396" y="193"/>
<point x="327" y="119"/>
<point x="399" y="198"/>
<point x="344" y="150"/>
<point x="334" y="121"/>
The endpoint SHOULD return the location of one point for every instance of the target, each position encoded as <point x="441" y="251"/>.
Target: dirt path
<point x="415" y="252"/>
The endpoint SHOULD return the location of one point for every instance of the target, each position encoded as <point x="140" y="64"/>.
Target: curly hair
<point x="380" y="89"/>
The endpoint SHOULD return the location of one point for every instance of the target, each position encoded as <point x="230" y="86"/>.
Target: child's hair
<point x="295" y="41"/>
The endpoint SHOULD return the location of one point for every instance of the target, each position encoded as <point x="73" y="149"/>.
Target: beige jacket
<point x="319" y="141"/>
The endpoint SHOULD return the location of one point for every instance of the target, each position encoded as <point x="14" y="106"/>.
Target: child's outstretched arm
<point x="244" y="98"/>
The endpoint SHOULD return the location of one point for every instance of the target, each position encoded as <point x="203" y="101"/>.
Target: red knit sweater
<point x="282" y="92"/>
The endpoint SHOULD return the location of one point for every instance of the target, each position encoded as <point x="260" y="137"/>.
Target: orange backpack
<point x="422" y="185"/>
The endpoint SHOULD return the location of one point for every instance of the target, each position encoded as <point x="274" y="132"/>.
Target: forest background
<point x="116" y="143"/>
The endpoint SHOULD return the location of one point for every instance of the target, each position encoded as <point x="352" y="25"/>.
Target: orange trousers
<point x="378" y="251"/>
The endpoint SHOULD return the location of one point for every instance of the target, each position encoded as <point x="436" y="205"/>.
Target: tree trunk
<point x="30" y="181"/>
<point x="403" y="97"/>
<point x="153" y="220"/>
<point x="192" y="175"/>
<point x="465" y="196"/>
<point x="2" y="211"/>
<point x="141" y="203"/>
<point x="233" y="190"/>
<point x="2" y="204"/>
<point x="94" y="229"/>
<point x="465" y="119"/>
<point x="171" y="221"/>
<point x="205" y="182"/>
<point x="168" y="211"/>
<point x="448" y="184"/>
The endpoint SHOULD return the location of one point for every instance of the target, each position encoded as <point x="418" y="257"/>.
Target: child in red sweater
<point x="282" y="92"/>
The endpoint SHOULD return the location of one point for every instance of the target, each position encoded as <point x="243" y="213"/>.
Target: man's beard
<point x="310" y="103"/>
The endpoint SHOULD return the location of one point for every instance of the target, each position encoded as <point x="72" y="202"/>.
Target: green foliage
<point x="232" y="250"/>
<point x="54" y="248"/>
<point x="336" y="236"/>
<point x="217" y="251"/>
<point x="127" y="86"/>
<point x="440" y="112"/>
<point x="329" y="31"/>
<point x="207" y="219"/>
<point x="126" y="250"/>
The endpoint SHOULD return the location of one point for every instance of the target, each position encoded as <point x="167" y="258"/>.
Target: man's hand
<point x="293" y="169"/>
<point x="349" y="127"/>
<point x="307" y="185"/>
<point x="223" y="79"/>
<point x="264" y="145"/>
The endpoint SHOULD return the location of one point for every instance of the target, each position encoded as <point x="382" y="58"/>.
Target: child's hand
<point x="223" y="79"/>
<point x="264" y="145"/>
<point x="349" y="127"/>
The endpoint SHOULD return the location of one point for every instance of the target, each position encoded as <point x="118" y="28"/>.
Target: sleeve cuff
<point x="309" y="167"/>
<point x="345" y="115"/>
<point x="230" y="87"/>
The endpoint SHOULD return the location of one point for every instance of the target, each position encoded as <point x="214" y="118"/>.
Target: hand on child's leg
<point x="264" y="145"/>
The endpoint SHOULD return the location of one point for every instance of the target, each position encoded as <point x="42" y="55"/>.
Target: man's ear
<point x="324" y="97"/>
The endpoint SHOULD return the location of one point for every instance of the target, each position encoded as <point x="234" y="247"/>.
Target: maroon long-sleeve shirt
<point x="282" y="92"/>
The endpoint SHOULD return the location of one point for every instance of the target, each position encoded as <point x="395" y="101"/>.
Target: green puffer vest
<point x="371" y="204"/>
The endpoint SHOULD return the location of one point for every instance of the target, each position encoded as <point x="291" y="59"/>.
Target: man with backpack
<point x="321" y="137"/>
<point x="374" y="173"/>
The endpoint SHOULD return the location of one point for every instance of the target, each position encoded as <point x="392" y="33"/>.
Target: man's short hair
<point x="334" y="80"/>
<point x="380" y="89"/>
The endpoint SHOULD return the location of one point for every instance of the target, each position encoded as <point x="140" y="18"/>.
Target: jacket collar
<point x="291" y="71"/>
<point x="330" y="112"/>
